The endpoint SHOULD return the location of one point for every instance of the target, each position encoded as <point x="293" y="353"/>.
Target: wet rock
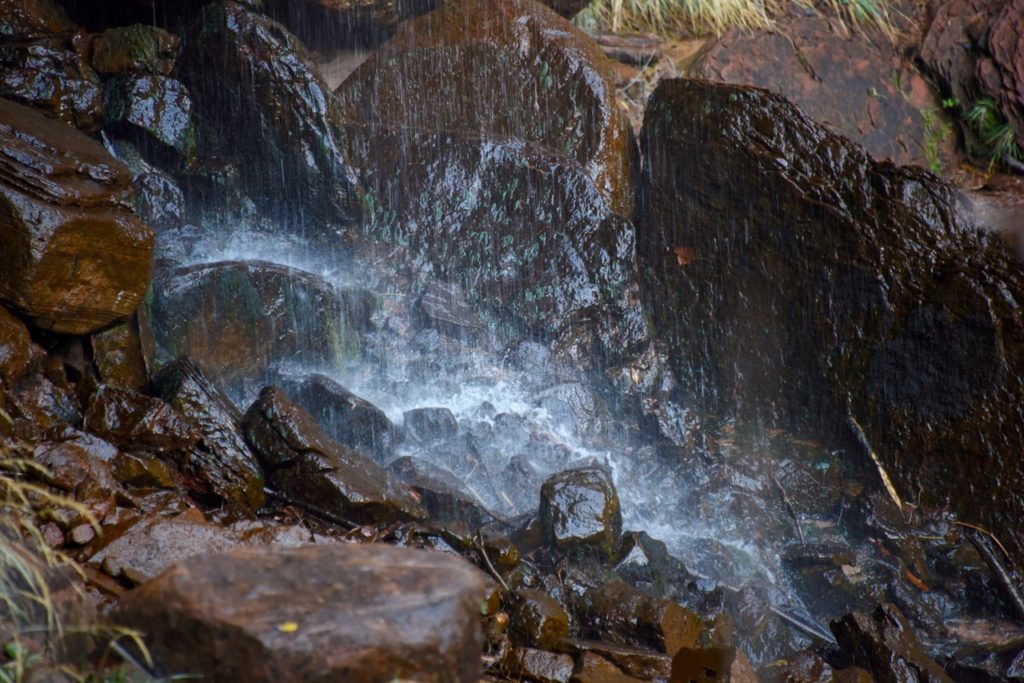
<point x="804" y="666"/>
<point x="537" y="665"/>
<point x="537" y="620"/>
<point x="133" y="49"/>
<point x="973" y="48"/>
<point x="579" y="512"/>
<point x="619" y="613"/>
<point x="135" y="421"/>
<point x="119" y="355"/>
<point x="504" y="68"/>
<point x="156" y="106"/>
<point x="303" y="462"/>
<point x="222" y="462"/>
<point x="444" y="308"/>
<point x="469" y="206"/>
<point x="440" y="493"/>
<point x="15" y="347"/>
<point x="43" y="405"/>
<point x="884" y="644"/>
<point x="855" y="83"/>
<point x="159" y="200"/>
<point x="430" y="425"/>
<point x="348" y="419"/>
<point x="596" y="669"/>
<point x="632" y="661"/>
<point x="644" y="563"/>
<point x="696" y="665"/>
<point x="817" y="299"/>
<point x="22" y="20"/>
<point x="425" y="609"/>
<point x="142" y="471"/>
<point x="73" y="258"/>
<point x="157" y="541"/>
<point x="261" y="104"/>
<point x="78" y="463"/>
<point x="236" y="318"/>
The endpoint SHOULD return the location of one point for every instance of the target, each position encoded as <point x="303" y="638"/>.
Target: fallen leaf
<point x="288" y="627"/>
<point x="684" y="255"/>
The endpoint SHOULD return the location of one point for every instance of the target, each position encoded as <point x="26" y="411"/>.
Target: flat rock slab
<point x="336" y="612"/>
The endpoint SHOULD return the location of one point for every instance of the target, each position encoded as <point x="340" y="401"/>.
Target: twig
<point x="1015" y="165"/>
<point x="807" y="626"/>
<point x="494" y="572"/>
<point x="789" y="507"/>
<point x="987" y="533"/>
<point x="311" y="509"/>
<point x="984" y="547"/>
<point x="862" y="439"/>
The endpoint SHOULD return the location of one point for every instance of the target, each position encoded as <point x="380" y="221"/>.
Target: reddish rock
<point x="619" y="613"/>
<point x="73" y="257"/>
<point x="137" y="48"/>
<point x="537" y="665"/>
<point x="15" y="347"/>
<point x="344" y="612"/>
<point x="632" y="661"/>
<point x="596" y="669"/>
<point x="120" y="357"/>
<point x="22" y="20"/>
<point x="135" y="421"/>
<point x="537" y="620"/>
<point x="855" y="83"/>
<point x="503" y="69"/>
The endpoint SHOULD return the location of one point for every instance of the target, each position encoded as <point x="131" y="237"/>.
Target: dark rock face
<point x="860" y="88"/>
<point x="122" y="354"/>
<point x="73" y="257"/>
<point x="222" y="462"/>
<point x="505" y="68"/>
<point x="236" y="318"/>
<point x="133" y="49"/>
<point x="348" y="419"/>
<point x="444" y="307"/>
<point x="157" y="106"/>
<point x="884" y="644"/>
<point x="537" y="620"/>
<point x="132" y="420"/>
<point x="579" y="512"/>
<point x="261" y="103"/>
<point x="619" y="613"/>
<point x="812" y="286"/>
<point x="313" y="619"/>
<point x="975" y="49"/>
<point x="304" y="463"/>
<point x="440" y="493"/>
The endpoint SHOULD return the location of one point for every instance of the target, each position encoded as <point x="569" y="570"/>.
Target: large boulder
<point x="800" y="282"/>
<point x="261" y="104"/>
<point x="504" y="69"/>
<point x="236" y="318"/>
<point x="73" y="257"/>
<point x="308" y="467"/>
<point x="856" y="83"/>
<point x="340" y="612"/>
<point x="580" y="512"/>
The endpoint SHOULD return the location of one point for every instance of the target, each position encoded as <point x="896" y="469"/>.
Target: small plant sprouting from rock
<point x="936" y="133"/>
<point x="995" y="136"/>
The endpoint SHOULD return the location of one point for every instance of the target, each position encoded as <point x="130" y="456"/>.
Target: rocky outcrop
<point x="857" y="84"/>
<point x="308" y="467"/>
<point x="797" y="280"/>
<point x="325" y="612"/>
<point x="236" y="318"/>
<point x="261" y="104"/>
<point x="73" y="257"/>
<point x="503" y="69"/>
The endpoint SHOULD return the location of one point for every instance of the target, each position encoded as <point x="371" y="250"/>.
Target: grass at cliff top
<point x="672" y="17"/>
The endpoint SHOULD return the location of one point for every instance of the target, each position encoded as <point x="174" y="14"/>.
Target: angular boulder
<point x="73" y="257"/>
<point x="123" y="354"/>
<point x="133" y="49"/>
<point x="619" y="613"/>
<point x="579" y="512"/>
<point x="342" y="612"/>
<point x="504" y="69"/>
<point x="131" y="421"/>
<point x="222" y="462"/>
<point x="799" y="281"/>
<point x="261" y="103"/>
<point x="236" y="318"/>
<point x="157" y="108"/>
<point x="310" y="468"/>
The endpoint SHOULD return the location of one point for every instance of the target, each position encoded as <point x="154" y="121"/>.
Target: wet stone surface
<point x="579" y="512"/>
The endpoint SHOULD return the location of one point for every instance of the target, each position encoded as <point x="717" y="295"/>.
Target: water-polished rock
<point x="73" y="257"/>
<point x="156" y="106"/>
<point x="133" y="49"/>
<point x="440" y="492"/>
<point x="797" y="280"/>
<point x="222" y="462"/>
<point x="304" y="463"/>
<point x="123" y="354"/>
<point x="15" y="347"/>
<point x="348" y="419"/>
<point x="235" y="318"/>
<point x="579" y="512"/>
<point x="503" y="69"/>
<point x="261" y="103"/>
<point x="619" y="613"/>
<point x="884" y="644"/>
<point x="341" y="612"/>
<point x="527" y="663"/>
<point x="135" y="421"/>
<point x="22" y="20"/>
<point x="537" y="620"/>
<point x="443" y="307"/>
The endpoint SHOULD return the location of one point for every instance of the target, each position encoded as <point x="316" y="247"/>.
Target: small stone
<point x="52" y="535"/>
<point x="538" y="665"/>
<point x="537" y="620"/>
<point x="82" y="534"/>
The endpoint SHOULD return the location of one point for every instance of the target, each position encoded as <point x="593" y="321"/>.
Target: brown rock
<point x="222" y="462"/>
<point x="632" y="661"/>
<point x="303" y="462"/>
<point x="120" y="358"/>
<point x="27" y="19"/>
<point x="537" y="620"/>
<point x="504" y="69"/>
<point x="342" y="612"/>
<point x="73" y="258"/>
<point x="596" y="669"/>
<point x="697" y="665"/>
<point x="137" y="48"/>
<point x="617" y="612"/>
<point x="135" y="421"/>
<point x="855" y="83"/>
<point x="804" y="666"/>
<point x="537" y="665"/>
<point x="15" y="347"/>
<point x="579" y="512"/>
